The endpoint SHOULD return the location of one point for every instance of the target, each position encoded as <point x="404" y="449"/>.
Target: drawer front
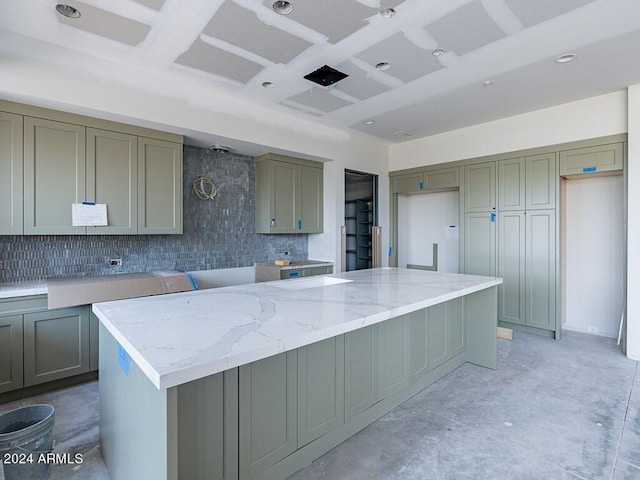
<point x="16" y="305"/>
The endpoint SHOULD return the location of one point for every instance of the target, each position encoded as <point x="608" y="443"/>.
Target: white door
<point x="594" y="254"/>
<point x="425" y="219"/>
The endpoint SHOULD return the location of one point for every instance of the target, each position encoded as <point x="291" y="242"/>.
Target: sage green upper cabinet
<point x="159" y="186"/>
<point x="511" y="184"/>
<point x="480" y="187"/>
<point x="112" y="173"/>
<point x="541" y="176"/>
<point x="11" y="161"/>
<point x="411" y="182"/>
<point x="11" y="377"/>
<point x="54" y="175"/>
<point x="440" y="179"/>
<point x="289" y="195"/>
<point x="309" y="204"/>
<point x="602" y="158"/>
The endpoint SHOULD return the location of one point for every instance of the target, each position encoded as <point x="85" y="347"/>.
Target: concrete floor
<point x="552" y="410"/>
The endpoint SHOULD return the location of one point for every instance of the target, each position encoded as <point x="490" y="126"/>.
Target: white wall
<point x="218" y="114"/>
<point x="590" y="118"/>
<point x="594" y="254"/>
<point x="426" y="219"/>
<point x="633" y="225"/>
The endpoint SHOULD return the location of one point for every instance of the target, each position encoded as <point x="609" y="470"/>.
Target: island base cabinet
<point x="320" y="389"/>
<point x="361" y="370"/>
<point x="268" y="412"/>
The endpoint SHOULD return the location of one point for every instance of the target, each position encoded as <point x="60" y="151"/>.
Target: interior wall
<point x="425" y="219"/>
<point x="590" y="118"/>
<point x="594" y="254"/>
<point x="218" y="113"/>
<point x="633" y="226"/>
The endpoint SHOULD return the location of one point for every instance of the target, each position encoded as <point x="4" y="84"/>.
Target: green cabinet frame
<point x="11" y="356"/>
<point x="289" y="195"/>
<point x="11" y="172"/>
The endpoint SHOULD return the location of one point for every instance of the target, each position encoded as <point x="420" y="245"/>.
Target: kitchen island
<point x="256" y="381"/>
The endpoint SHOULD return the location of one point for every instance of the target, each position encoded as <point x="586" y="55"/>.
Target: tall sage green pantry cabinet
<point x="511" y="219"/>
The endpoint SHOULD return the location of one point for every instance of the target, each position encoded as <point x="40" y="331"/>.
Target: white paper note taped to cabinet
<point x="451" y="231"/>
<point x="88" y="214"/>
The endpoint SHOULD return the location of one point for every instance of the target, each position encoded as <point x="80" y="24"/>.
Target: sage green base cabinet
<point x="269" y="418"/>
<point x="11" y="358"/>
<point x="11" y="166"/>
<point x="289" y="195"/>
<point x="39" y="345"/>
<point x="56" y="344"/>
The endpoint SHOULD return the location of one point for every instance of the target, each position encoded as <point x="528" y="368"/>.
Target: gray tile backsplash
<point x="218" y="233"/>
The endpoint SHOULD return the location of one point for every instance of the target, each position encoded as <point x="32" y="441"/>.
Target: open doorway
<point x="594" y="254"/>
<point x="360" y="215"/>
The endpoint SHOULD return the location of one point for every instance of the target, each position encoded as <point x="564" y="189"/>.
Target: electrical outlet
<point x="287" y="253"/>
<point x="115" y="262"/>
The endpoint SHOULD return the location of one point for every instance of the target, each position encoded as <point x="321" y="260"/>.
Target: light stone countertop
<point x="22" y="289"/>
<point x="177" y="338"/>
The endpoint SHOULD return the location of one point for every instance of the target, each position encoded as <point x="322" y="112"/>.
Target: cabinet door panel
<point x="445" y="178"/>
<point x="361" y="370"/>
<point x="437" y="335"/>
<point x="393" y="357"/>
<point x="511" y="184"/>
<point x="480" y="187"/>
<point x="480" y="244"/>
<point x="320" y="389"/>
<point x="11" y="167"/>
<point x="310" y="208"/>
<point x="412" y="182"/>
<point x="268" y="414"/>
<point x="456" y="338"/>
<point x="159" y="186"/>
<point x="541" y="181"/>
<point x="418" y="342"/>
<point x="112" y="179"/>
<point x="541" y="269"/>
<point x="56" y="344"/>
<point x="601" y="158"/>
<point x="284" y="187"/>
<point x="11" y="353"/>
<point x="54" y="175"/>
<point x="511" y="267"/>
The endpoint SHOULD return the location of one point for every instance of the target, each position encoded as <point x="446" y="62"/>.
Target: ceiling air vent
<point x="325" y="76"/>
<point x="403" y="134"/>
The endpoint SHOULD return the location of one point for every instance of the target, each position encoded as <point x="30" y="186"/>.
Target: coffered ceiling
<point x="496" y="57"/>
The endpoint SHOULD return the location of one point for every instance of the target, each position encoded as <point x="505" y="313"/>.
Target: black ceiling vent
<point x="326" y="76"/>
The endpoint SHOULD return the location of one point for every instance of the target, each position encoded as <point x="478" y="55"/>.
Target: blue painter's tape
<point x="421" y="185"/>
<point x="299" y="224"/>
<point x="194" y="285"/>
<point x="294" y="274"/>
<point x="390" y="251"/>
<point x="88" y="203"/>
<point x="493" y="218"/>
<point x="124" y="360"/>
<point x="589" y="169"/>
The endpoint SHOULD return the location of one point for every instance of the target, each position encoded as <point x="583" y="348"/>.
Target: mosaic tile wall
<point x="218" y="233"/>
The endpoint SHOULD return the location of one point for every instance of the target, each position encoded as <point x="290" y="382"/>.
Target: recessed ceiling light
<point x="566" y="58"/>
<point x="268" y="84"/>
<point x="388" y="12"/>
<point x="282" y="7"/>
<point x="67" y="10"/>
<point x="382" y="66"/>
<point x="487" y="83"/>
<point x="437" y="52"/>
<point x="369" y="122"/>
